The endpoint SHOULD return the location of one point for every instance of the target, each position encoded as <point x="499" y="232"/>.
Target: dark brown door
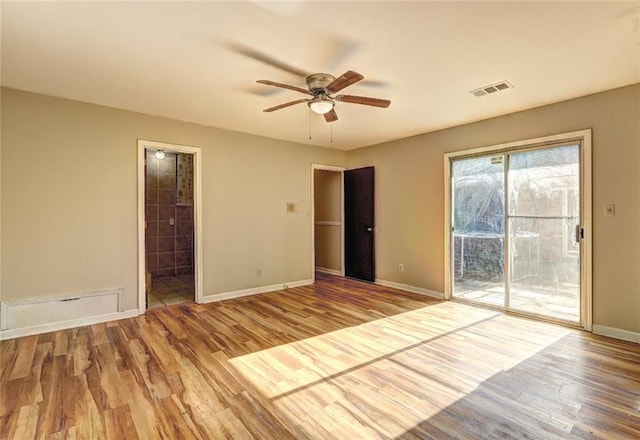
<point x="359" y="224"/>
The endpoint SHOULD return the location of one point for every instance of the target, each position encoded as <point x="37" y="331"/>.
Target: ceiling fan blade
<point x="266" y="59"/>
<point x="331" y="116"/>
<point x="344" y="80"/>
<point x="339" y="50"/>
<point x="375" y="102"/>
<point x="286" y="104"/>
<point x="284" y="86"/>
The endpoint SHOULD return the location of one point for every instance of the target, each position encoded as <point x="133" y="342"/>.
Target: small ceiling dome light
<point x="159" y="154"/>
<point x="321" y="105"/>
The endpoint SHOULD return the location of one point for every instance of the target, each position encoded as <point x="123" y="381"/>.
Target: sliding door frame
<point x="582" y="136"/>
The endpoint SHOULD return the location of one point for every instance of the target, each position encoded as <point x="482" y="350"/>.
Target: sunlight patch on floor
<point x="412" y="365"/>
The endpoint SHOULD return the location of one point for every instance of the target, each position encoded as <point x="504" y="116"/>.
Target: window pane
<point x="478" y="222"/>
<point x="543" y="215"/>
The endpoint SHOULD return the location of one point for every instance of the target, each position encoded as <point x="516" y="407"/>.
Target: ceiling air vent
<point x="491" y="88"/>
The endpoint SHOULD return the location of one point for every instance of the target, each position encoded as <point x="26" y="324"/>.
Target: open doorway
<point x="328" y="219"/>
<point x="169" y="225"/>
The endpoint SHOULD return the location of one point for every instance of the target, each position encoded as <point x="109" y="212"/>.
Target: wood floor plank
<point x="178" y="422"/>
<point x="119" y="423"/>
<point x="142" y="410"/>
<point x="81" y="351"/>
<point x="69" y="434"/>
<point x="26" y="350"/>
<point x="8" y="345"/>
<point x="145" y="368"/>
<point x="110" y="381"/>
<point x="159" y="349"/>
<point x="99" y="334"/>
<point x="170" y="318"/>
<point x="27" y="421"/>
<point x="89" y="420"/>
<point x="6" y="362"/>
<point x="61" y="345"/>
<point x="338" y="359"/>
<point x="53" y="418"/>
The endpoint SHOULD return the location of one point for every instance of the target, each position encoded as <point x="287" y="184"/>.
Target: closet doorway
<point x="327" y="219"/>
<point x="169" y="225"/>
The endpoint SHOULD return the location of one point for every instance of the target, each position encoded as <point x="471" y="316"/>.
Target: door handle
<point x="370" y="229"/>
<point x="578" y="233"/>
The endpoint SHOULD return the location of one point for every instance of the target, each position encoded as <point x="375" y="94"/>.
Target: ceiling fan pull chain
<point x="309" y="124"/>
<point x="331" y="126"/>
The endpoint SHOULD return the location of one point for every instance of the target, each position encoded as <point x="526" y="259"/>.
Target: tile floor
<point x="166" y="291"/>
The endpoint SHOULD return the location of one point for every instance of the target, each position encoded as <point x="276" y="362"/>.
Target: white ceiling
<point x="198" y="62"/>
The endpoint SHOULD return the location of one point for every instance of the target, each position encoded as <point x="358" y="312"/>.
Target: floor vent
<point x="491" y="88"/>
<point x="42" y="311"/>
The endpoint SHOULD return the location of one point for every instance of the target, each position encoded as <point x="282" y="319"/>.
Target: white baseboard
<point x="617" y="333"/>
<point x="329" y="271"/>
<point x="254" y="291"/>
<point x="409" y="288"/>
<point x="63" y="325"/>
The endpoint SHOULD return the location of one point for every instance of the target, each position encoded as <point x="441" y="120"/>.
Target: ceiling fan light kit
<point x="321" y="87"/>
<point x="321" y="106"/>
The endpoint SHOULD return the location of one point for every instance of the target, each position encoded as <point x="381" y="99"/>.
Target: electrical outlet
<point x="259" y="272"/>
<point x="401" y="267"/>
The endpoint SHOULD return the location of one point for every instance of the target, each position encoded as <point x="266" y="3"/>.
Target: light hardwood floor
<point x="337" y="360"/>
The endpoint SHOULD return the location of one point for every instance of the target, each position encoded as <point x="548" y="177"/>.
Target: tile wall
<point x="169" y="236"/>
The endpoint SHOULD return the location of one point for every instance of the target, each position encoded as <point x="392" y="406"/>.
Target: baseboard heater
<point x="36" y="312"/>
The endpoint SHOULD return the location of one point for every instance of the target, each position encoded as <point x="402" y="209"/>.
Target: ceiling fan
<point x="322" y="88"/>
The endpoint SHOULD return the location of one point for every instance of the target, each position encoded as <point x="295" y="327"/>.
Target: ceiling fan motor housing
<point x="318" y="81"/>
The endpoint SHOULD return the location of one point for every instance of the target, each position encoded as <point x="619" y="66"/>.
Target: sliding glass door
<point x="516" y="230"/>
<point x="544" y="232"/>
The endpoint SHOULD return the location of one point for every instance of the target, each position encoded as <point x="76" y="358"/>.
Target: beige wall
<point x="0" y="199"/>
<point x="69" y="199"/>
<point x="410" y="195"/>
<point x="327" y="208"/>
<point x="69" y="219"/>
